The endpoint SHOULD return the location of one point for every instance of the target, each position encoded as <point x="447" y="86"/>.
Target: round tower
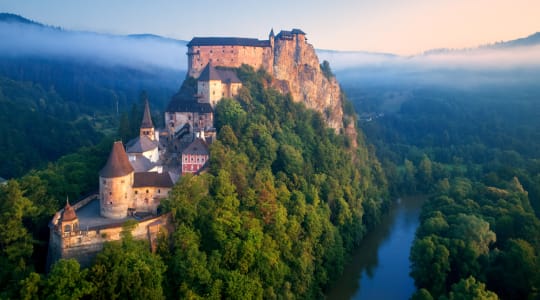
<point x="115" y="184"/>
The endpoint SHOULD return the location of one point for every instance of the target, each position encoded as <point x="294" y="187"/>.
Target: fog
<point x="133" y="51"/>
<point x="460" y="68"/>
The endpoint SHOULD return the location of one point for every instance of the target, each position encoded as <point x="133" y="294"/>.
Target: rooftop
<point x="141" y="144"/>
<point x="118" y="163"/>
<point x="216" y="73"/>
<point x="197" y="147"/>
<point x="181" y="103"/>
<point x="147" y="118"/>
<point x="228" y="41"/>
<point x="154" y="179"/>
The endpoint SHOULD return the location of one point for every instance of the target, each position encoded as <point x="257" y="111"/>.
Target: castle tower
<point x="147" y="127"/>
<point x="271" y="38"/>
<point x="69" y="223"/>
<point x="209" y="86"/>
<point x="115" y="184"/>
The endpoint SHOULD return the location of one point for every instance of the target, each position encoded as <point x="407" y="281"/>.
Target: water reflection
<point x="379" y="269"/>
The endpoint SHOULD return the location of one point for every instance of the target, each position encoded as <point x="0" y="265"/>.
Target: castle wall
<point x="210" y="91"/>
<point x="84" y="245"/>
<point x="115" y="196"/>
<point x="177" y="120"/>
<point x="229" y="56"/>
<point x="147" y="199"/>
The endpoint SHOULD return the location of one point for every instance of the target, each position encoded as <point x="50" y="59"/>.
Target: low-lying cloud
<point x="138" y="52"/>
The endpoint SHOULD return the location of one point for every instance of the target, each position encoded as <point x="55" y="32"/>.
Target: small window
<point x="104" y="181"/>
<point x="110" y="193"/>
<point x="122" y="181"/>
<point x="159" y="191"/>
<point x="136" y="192"/>
<point x="147" y="191"/>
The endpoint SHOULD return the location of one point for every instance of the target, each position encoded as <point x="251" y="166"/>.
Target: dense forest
<point x="283" y="203"/>
<point x="475" y="152"/>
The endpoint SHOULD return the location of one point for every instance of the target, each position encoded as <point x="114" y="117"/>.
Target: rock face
<point x="297" y="66"/>
<point x="288" y="57"/>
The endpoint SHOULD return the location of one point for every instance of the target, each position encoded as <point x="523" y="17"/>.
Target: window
<point x="136" y="192"/>
<point x="104" y="181"/>
<point x="147" y="191"/>
<point x="122" y="181"/>
<point x="159" y="191"/>
<point x="110" y="193"/>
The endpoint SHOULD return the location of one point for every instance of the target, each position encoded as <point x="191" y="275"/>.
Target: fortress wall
<point x="85" y="245"/>
<point x="147" y="199"/>
<point x="229" y="56"/>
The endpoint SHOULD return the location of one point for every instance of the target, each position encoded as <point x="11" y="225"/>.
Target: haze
<point x="400" y="27"/>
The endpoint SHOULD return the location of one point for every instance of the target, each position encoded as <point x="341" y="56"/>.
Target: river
<point x="379" y="268"/>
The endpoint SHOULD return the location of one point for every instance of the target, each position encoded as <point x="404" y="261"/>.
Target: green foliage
<point x="16" y="243"/>
<point x="127" y="270"/>
<point x="38" y="126"/>
<point x="284" y="202"/>
<point x="67" y="281"/>
<point x="327" y="71"/>
<point x="471" y="289"/>
<point x="492" y="238"/>
<point x="480" y="228"/>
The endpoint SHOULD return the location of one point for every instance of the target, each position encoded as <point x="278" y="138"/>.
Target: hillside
<point x="98" y="72"/>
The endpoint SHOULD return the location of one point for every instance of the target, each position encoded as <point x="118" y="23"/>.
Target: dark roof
<point x="209" y="73"/>
<point x="118" y="163"/>
<point x="227" y="41"/>
<point x="147" y="118"/>
<point x="152" y="179"/>
<point x="216" y="73"/>
<point x="140" y="163"/>
<point x="181" y="103"/>
<point x="285" y="34"/>
<point x="141" y="144"/>
<point x="69" y="213"/>
<point x="197" y="147"/>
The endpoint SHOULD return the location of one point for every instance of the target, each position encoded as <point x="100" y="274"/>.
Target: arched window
<point x="67" y="228"/>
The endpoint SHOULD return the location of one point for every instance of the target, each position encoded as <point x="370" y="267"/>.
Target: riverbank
<point x="379" y="268"/>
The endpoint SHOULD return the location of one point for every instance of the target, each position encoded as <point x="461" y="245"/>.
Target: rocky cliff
<point x="297" y="70"/>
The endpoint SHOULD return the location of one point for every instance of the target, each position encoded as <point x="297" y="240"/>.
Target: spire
<point x="272" y="32"/>
<point x="118" y="163"/>
<point x="147" y="118"/>
<point x="69" y="213"/>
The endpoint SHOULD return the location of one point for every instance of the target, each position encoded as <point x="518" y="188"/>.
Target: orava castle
<point x="139" y="174"/>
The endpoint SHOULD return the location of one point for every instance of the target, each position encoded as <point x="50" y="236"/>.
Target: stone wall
<point x="115" y="195"/>
<point x="229" y="56"/>
<point x="84" y="245"/>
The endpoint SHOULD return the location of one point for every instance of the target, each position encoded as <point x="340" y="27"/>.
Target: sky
<point x="404" y="27"/>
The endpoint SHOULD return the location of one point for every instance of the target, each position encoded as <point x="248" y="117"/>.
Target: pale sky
<point x="394" y="26"/>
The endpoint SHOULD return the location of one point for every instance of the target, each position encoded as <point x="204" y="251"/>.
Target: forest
<point x="474" y="151"/>
<point x="284" y="202"/>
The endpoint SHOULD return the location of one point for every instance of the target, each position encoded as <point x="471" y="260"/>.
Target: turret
<point x="271" y="38"/>
<point x="147" y="127"/>
<point x="115" y="184"/>
<point x="69" y="223"/>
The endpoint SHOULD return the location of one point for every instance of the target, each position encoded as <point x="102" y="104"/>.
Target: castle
<point x="136" y="178"/>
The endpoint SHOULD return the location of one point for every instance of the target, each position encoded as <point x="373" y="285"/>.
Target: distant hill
<point x="531" y="40"/>
<point x="97" y="72"/>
